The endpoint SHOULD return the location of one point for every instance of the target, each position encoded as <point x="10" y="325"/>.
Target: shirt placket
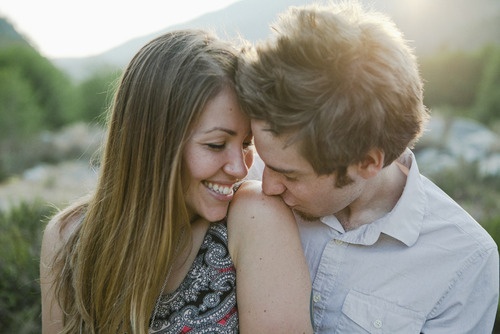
<point x="326" y="281"/>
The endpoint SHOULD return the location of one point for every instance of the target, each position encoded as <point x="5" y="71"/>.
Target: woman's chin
<point x="215" y="216"/>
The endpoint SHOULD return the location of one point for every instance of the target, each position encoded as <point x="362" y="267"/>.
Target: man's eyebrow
<point x="218" y="128"/>
<point x="281" y="170"/>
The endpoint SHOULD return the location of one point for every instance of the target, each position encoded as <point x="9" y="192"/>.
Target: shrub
<point x="20" y="241"/>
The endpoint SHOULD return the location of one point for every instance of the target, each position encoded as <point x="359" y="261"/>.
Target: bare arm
<point x="272" y="279"/>
<point x="53" y="240"/>
<point x="51" y="313"/>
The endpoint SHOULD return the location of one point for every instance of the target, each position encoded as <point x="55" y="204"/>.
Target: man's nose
<point x="271" y="183"/>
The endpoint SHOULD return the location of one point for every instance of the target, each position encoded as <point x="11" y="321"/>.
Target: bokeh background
<point x="52" y="118"/>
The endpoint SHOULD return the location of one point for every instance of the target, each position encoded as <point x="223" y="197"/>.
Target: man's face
<point x="290" y="176"/>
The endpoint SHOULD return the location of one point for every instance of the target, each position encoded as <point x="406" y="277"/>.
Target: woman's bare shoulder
<point x="253" y="213"/>
<point x="250" y="199"/>
<point x="57" y="233"/>
<point x="61" y="227"/>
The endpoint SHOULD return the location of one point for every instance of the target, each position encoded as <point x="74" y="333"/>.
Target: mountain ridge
<point x="431" y="25"/>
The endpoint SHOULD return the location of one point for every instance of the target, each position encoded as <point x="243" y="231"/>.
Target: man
<point x="336" y="104"/>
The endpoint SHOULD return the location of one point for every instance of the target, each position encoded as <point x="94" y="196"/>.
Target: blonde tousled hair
<point x="338" y="79"/>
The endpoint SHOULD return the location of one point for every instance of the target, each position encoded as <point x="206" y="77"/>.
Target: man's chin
<point x="305" y="216"/>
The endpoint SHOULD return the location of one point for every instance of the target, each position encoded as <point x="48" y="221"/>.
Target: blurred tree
<point x="20" y="114"/>
<point x="44" y="84"/>
<point x="20" y="117"/>
<point x="451" y="79"/>
<point x="487" y="107"/>
<point x="9" y="35"/>
<point x="98" y="92"/>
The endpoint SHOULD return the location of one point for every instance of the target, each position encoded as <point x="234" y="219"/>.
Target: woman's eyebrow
<point x="218" y="128"/>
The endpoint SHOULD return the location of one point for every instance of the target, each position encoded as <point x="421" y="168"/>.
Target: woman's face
<point x="217" y="155"/>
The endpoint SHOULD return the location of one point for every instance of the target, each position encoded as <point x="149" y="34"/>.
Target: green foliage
<point x="97" y="91"/>
<point x="451" y="78"/>
<point x="9" y="35"/>
<point x="20" y="241"/>
<point x="36" y="97"/>
<point x="487" y="106"/>
<point x="468" y="84"/>
<point x="20" y="113"/>
<point x="40" y="82"/>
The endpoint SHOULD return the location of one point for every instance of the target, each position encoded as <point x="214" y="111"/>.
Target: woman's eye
<point x="216" y="146"/>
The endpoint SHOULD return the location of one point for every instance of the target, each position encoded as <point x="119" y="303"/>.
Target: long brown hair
<point x="110" y="272"/>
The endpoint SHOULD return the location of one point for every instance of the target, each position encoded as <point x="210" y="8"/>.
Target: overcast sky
<point x="66" y="28"/>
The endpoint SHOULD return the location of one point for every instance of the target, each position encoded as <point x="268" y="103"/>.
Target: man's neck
<point x="380" y="195"/>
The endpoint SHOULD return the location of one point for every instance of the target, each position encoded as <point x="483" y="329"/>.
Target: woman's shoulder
<point x="56" y="235"/>
<point x="252" y="212"/>
<point x="63" y="225"/>
<point x="250" y="197"/>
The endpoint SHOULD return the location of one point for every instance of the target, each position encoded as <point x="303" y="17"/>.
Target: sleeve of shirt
<point x="470" y="304"/>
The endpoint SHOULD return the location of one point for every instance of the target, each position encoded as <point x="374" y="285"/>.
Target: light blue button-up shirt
<point x="425" y="267"/>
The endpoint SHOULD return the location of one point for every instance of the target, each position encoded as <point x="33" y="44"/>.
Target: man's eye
<point x="247" y="144"/>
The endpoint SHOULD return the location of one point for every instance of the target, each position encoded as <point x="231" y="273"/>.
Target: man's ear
<point x="372" y="163"/>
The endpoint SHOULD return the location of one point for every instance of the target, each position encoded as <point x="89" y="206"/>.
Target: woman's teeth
<point x="224" y="190"/>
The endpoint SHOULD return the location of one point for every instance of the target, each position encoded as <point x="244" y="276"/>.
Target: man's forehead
<point x="275" y="151"/>
<point x="265" y="136"/>
<point x="265" y="130"/>
<point x="260" y="125"/>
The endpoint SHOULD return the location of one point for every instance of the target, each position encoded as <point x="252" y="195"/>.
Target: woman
<point x="152" y="248"/>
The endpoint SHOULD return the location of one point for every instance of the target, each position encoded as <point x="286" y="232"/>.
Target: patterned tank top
<point x="205" y="302"/>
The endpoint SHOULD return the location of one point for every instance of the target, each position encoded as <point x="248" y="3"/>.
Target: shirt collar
<point x="405" y="220"/>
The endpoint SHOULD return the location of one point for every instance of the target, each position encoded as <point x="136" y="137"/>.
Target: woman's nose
<point x="236" y="165"/>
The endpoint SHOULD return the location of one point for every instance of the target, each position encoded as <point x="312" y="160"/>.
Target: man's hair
<point x="337" y="79"/>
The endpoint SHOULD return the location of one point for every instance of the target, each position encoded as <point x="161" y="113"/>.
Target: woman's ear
<point x="372" y="163"/>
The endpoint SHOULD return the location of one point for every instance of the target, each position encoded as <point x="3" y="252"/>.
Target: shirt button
<point x="316" y="297"/>
<point x="377" y="323"/>
<point x="339" y="242"/>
